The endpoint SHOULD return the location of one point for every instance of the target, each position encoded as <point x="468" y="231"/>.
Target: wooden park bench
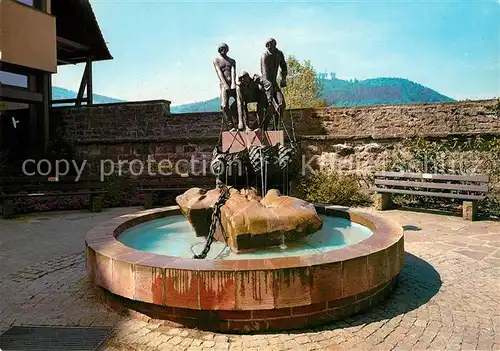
<point x="12" y="188"/>
<point x="469" y="188"/>
<point x="174" y="185"/>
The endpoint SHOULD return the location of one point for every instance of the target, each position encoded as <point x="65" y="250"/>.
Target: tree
<point x="304" y="88"/>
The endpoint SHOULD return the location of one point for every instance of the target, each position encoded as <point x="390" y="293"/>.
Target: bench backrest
<point x="171" y="181"/>
<point x="478" y="178"/>
<point x="46" y="184"/>
<point x="450" y="185"/>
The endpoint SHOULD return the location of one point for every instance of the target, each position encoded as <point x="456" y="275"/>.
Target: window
<point x="17" y="80"/>
<point x="27" y="2"/>
<point x="37" y="4"/>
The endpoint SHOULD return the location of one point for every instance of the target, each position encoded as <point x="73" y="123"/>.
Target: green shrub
<point x="121" y="191"/>
<point x="331" y="187"/>
<point x="62" y="147"/>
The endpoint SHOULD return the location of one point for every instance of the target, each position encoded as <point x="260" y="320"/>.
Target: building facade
<point x="38" y="36"/>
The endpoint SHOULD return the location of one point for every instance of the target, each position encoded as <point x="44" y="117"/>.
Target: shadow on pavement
<point x="418" y="282"/>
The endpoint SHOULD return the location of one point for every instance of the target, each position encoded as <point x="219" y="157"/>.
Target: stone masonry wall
<point x="362" y="139"/>
<point x="126" y="131"/>
<point x="135" y="122"/>
<point x="350" y="138"/>
<point x="399" y="121"/>
<point x="152" y="121"/>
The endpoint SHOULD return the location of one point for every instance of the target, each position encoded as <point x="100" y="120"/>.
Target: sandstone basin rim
<point x="102" y="240"/>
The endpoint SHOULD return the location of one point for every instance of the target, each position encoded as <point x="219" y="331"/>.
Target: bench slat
<point x="54" y="186"/>
<point x="176" y="179"/>
<point x="429" y="185"/>
<point x="40" y="194"/>
<point x="158" y="184"/>
<point x="430" y="193"/>
<point x="162" y="189"/>
<point x="45" y="180"/>
<point x="463" y="178"/>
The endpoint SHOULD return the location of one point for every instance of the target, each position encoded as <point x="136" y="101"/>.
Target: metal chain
<point x="224" y="196"/>
<point x="293" y="129"/>
<point x="220" y="131"/>
<point x="292" y="141"/>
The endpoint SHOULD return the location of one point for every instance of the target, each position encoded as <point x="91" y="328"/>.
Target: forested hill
<point x="338" y="92"/>
<point x="378" y="91"/>
<point x="61" y="94"/>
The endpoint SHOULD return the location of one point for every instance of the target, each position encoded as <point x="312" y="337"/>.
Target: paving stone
<point x="208" y="344"/>
<point x="302" y="339"/>
<point x="222" y="346"/>
<point x="447" y="296"/>
<point x="477" y="255"/>
<point x="196" y="342"/>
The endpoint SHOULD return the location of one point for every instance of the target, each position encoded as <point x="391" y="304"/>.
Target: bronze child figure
<point x="253" y="89"/>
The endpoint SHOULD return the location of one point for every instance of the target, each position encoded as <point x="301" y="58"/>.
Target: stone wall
<point x="125" y="131"/>
<point x="350" y="138"/>
<point x="363" y="139"/>
<point x="399" y="121"/>
<point x="152" y="121"/>
<point x="135" y="122"/>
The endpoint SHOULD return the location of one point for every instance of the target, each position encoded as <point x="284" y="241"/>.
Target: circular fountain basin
<point x="174" y="236"/>
<point x="143" y="264"/>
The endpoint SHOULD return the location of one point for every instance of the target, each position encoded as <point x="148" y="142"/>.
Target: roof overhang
<point x="79" y="37"/>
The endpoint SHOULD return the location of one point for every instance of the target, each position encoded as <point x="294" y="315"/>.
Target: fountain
<point x="346" y="267"/>
<point x="244" y="258"/>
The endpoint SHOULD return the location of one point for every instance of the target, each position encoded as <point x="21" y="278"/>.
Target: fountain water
<point x="283" y="245"/>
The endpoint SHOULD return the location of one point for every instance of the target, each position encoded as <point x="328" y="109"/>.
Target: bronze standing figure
<point x="225" y="67"/>
<point x="271" y="61"/>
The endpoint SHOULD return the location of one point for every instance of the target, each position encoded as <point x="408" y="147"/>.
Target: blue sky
<point x="164" y="49"/>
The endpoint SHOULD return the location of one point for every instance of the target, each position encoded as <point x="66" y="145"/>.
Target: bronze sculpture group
<point x="262" y="89"/>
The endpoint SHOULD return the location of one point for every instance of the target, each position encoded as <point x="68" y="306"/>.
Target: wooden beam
<point x="47" y="97"/>
<point x="72" y="44"/>
<point x="15" y="94"/>
<point x="34" y="112"/>
<point x="83" y="84"/>
<point x="65" y="62"/>
<point x="90" y="90"/>
<point x="64" y="101"/>
<point x="12" y="68"/>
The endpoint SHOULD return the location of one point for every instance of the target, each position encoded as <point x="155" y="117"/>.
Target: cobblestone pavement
<point x="447" y="298"/>
<point x="35" y="238"/>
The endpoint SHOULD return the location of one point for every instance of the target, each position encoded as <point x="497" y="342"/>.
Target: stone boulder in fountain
<point x="249" y="221"/>
<point x="197" y="205"/>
